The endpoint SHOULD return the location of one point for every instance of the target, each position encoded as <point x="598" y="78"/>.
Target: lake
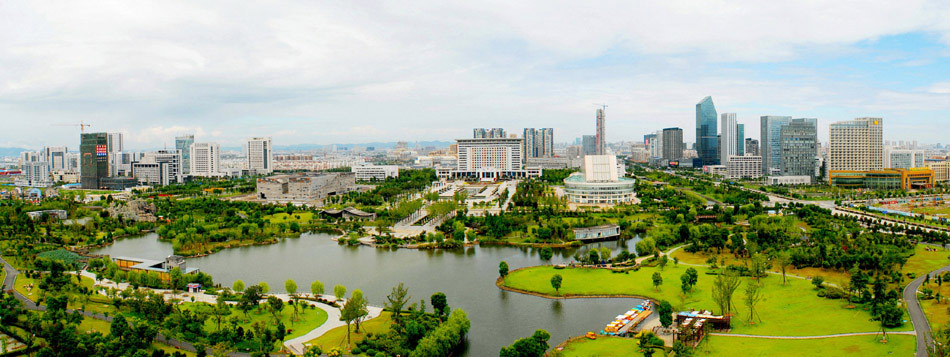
<point x="466" y="275"/>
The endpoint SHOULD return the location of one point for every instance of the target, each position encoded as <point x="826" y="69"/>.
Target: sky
<point x="323" y="72"/>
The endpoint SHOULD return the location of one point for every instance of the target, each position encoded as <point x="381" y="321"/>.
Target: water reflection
<point x="467" y="275"/>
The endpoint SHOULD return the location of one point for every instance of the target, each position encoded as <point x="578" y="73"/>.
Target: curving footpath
<point x="917" y="316"/>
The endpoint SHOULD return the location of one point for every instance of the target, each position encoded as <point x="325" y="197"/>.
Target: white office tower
<point x="856" y="145"/>
<point x="55" y="157"/>
<point x="260" y="155"/>
<point x="204" y="159"/>
<point x="730" y="136"/>
<point x="161" y="167"/>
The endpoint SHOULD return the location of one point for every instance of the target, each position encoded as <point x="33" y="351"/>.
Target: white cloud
<point x="366" y="71"/>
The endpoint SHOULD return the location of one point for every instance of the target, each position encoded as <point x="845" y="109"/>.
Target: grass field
<point x="305" y="217"/>
<point x="898" y="345"/>
<point x="790" y="310"/>
<point x="89" y="324"/>
<point x="308" y="319"/>
<point x="926" y="259"/>
<point x="839" y="278"/>
<point x="336" y="338"/>
<point x="21" y="284"/>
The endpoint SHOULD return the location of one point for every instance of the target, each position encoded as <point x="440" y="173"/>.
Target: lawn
<point x="793" y="309"/>
<point x="305" y="217"/>
<point x="309" y="319"/>
<point x="336" y="338"/>
<point x="938" y="314"/>
<point x="22" y="286"/>
<point x="89" y="324"/>
<point x="839" y="278"/>
<point x="926" y="259"/>
<point x="603" y="346"/>
<point x="898" y="345"/>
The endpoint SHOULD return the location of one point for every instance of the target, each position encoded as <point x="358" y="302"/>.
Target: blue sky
<point x="349" y="72"/>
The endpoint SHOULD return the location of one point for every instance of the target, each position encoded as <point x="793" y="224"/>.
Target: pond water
<point x="467" y="276"/>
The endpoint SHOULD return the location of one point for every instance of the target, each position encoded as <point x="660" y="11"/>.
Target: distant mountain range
<point x="11" y="151"/>
<point x="375" y="145"/>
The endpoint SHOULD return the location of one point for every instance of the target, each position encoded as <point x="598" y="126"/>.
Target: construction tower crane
<point x="82" y="126"/>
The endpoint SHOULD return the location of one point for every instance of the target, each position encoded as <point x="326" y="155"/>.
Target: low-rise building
<point x="162" y="268"/>
<point x="744" y="167"/>
<point x="305" y="187"/>
<point x="891" y="179"/>
<point x="369" y="172"/>
<point x="57" y="213"/>
<point x="788" y="180"/>
<point x="941" y="170"/>
<point x="599" y="183"/>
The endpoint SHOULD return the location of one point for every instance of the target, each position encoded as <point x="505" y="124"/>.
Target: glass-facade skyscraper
<point x="94" y="160"/>
<point x="183" y="145"/>
<point x="707" y="147"/>
<point x="740" y="139"/>
<point x="770" y="142"/>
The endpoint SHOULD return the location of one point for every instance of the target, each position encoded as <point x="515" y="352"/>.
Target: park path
<point x="297" y="346"/>
<point x="917" y="316"/>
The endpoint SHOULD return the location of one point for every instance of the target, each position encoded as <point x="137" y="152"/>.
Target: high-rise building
<point x="770" y="142"/>
<point x="183" y="144"/>
<point x="751" y="147"/>
<point x="205" y="159"/>
<point x="94" y="159"/>
<point x="260" y="155"/>
<point x="601" y="139"/>
<point x="728" y="138"/>
<point x="673" y="143"/>
<point x="589" y="145"/>
<point x="161" y="167"/>
<point x="903" y="158"/>
<point x="116" y="142"/>
<point x="493" y="133"/>
<point x="740" y="139"/>
<point x="656" y="148"/>
<point x="706" y="131"/>
<point x="799" y="147"/>
<point x="538" y="142"/>
<point x="55" y="157"/>
<point x="856" y="145"/>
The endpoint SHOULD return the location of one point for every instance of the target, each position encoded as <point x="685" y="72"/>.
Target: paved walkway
<point x="333" y="321"/>
<point x="917" y="316"/>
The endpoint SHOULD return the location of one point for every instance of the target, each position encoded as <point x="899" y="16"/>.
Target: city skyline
<point x="414" y="73"/>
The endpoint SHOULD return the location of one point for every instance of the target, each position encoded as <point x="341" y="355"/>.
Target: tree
<point x="723" y="289"/>
<point x="817" y="281"/>
<point x="349" y="313"/>
<point x="220" y="310"/>
<point x="503" y="269"/>
<point x="316" y="288"/>
<point x="339" y="291"/>
<point x="649" y="342"/>
<point x="689" y="279"/>
<point x="645" y="247"/>
<point x="758" y="265"/>
<point x="398" y="299"/>
<point x="556" y="283"/>
<point x="533" y="346"/>
<point x="264" y="287"/>
<point x="752" y="297"/>
<point x="238" y="285"/>
<point x="663" y="261"/>
<point x="783" y="260"/>
<point x="680" y="349"/>
<point x="666" y="313"/>
<point x="291" y="286"/>
<point x="250" y="299"/>
<point x="440" y="303"/>
<point x="275" y="305"/>
<point x="546" y="253"/>
<point x="657" y="280"/>
<point x="361" y="303"/>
